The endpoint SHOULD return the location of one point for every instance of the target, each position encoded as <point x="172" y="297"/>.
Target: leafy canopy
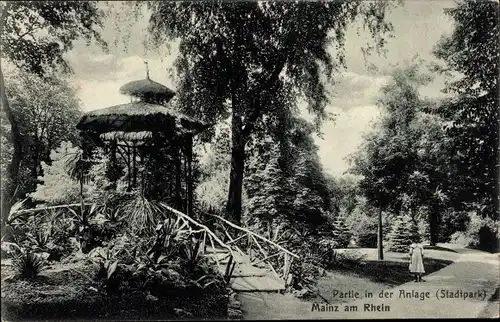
<point x="388" y="159"/>
<point x="35" y="34"/>
<point x="236" y="51"/>
<point x="472" y="51"/>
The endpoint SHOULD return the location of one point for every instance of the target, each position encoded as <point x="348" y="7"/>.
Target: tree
<point x="472" y="51"/>
<point x="344" y="194"/>
<point x="284" y="159"/>
<point x="34" y="36"/>
<point x="269" y="194"/>
<point x="248" y="60"/>
<point x="406" y="155"/>
<point x="404" y="233"/>
<point x="47" y="111"/>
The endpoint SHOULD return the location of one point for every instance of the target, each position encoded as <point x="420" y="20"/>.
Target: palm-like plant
<point x="15" y="222"/>
<point x="40" y="237"/>
<point x="26" y="264"/>
<point x="81" y="219"/>
<point x="142" y="214"/>
<point x="78" y="167"/>
<point x="192" y="253"/>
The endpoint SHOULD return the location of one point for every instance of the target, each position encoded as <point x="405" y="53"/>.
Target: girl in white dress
<point x="417" y="261"/>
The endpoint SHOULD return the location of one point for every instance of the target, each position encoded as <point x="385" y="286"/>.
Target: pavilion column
<point x="113" y="153"/>
<point x="129" y="169"/>
<point x="178" y="172"/>
<point x="189" y="186"/>
<point x="112" y="170"/>
<point x="134" y="165"/>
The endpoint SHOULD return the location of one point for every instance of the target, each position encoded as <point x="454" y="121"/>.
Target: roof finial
<point x="147" y="69"/>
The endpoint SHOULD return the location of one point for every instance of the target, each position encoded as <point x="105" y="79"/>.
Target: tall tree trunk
<point x="82" y="205"/>
<point x="13" y="168"/>
<point x="233" y="208"/>
<point x="380" y="237"/>
<point x="189" y="183"/>
<point x="434" y="225"/>
<point x="34" y="168"/>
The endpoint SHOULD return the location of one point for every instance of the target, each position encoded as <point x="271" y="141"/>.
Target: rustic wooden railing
<point x="260" y="249"/>
<point x="206" y="233"/>
<point x="43" y="212"/>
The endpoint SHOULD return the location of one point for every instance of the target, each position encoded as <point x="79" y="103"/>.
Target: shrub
<point x="303" y="283"/>
<point x="43" y="233"/>
<point x="325" y="250"/>
<point x="481" y="233"/>
<point x="367" y="239"/>
<point x="172" y="259"/>
<point x="452" y="221"/>
<point x="142" y="215"/>
<point x="347" y="259"/>
<point x="340" y="259"/>
<point x="366" y="233"/>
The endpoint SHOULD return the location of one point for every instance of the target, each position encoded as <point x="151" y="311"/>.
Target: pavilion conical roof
<point x="150" y="113"/>
<point x="145" y="88"/>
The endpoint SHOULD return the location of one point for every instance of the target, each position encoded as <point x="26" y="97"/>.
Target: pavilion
<point x="148" y="142"/>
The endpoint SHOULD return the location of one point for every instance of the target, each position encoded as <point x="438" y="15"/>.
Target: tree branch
<point x="19" y="37"/>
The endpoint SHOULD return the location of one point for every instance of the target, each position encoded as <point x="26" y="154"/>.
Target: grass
<point x="63" y="293"/>
<point x="375" y="275"/>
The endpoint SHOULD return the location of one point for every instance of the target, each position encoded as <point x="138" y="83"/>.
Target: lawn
<point x="373" y="275"/>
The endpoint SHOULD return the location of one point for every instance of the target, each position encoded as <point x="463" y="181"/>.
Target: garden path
<point x="473" y="271"/>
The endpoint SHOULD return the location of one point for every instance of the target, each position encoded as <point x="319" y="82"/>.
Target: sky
<point x="418" y="26"/>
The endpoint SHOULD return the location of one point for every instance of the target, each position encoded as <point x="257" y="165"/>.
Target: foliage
<point x="285" y="180"/>
<point x="471" y="51"/>
<point x="344" y="193"/>
<point x="108" y="264"/>
<point x="85" y="231"/>
<point x="142" y="215"/>
<point x="211" y="192"/>
<point x="45" y="233"/>
<point x="363" y="222"/>
<point x="387" y="152"/>
<point x="37" y="34"/>
<point x="404" y="233"/>
<point x="452" y="221"/>
<point x="345" y="259"/>
<point x="269" y="195"/>
<point x="170" y="259"/>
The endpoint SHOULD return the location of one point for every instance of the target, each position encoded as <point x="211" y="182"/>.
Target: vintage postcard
<point x="249" y="160"/>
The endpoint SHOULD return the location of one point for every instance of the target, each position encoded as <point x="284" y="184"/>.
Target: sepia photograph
<point x="249" y="160"/>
